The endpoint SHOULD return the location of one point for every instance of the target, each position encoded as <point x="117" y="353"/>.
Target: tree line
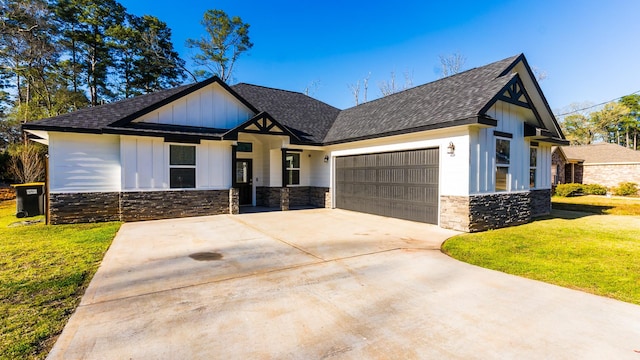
<point x="617" y="122"/>
<point x="58" y="56"/>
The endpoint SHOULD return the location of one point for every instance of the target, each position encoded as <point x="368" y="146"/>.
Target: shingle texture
<point x="100" y="117"/>
<point x="441" y="103"/>
<point x="305" y="116"/>
<point x="601" y="153"/>
<point x="437" y="103"/>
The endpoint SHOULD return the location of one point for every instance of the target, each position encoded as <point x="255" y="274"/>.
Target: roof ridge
<point x="272" y="88"/>
<point x="435" y="81"/>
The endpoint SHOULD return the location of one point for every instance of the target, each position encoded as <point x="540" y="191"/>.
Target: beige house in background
<point x="604" y="164"/>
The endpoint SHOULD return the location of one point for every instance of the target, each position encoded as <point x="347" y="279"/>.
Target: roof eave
<point x="478" y="120"/>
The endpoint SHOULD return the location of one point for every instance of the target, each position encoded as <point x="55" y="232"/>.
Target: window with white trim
<point x="293" y="168"/>
<point x="182" y="166"/>
<point x="503" y="159"/>
<point x="533" y="164"/>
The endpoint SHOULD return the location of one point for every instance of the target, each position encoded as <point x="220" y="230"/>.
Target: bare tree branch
<point x="451" y="64"/>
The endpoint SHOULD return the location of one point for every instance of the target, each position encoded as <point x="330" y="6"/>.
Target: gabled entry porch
<point x="270" y="170"/>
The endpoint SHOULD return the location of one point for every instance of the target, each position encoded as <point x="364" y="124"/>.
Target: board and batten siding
<point x="319" y="171"/>
<point x="483" y="147"/>
<point x="211" y="107"/>
<point x="145" y="164"/>
<point x="80" y="163"/>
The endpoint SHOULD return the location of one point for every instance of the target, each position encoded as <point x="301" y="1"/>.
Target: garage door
<point x="400" y="184"/>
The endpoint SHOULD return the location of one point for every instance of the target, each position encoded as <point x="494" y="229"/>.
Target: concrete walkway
<point x="322" y="283"/>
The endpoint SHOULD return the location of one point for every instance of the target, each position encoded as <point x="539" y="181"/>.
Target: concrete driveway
<point x="321" y="283"/>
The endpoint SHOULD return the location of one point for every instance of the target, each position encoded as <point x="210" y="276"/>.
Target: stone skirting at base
<point x="154" y="205"/>
<point x="493" y="211"/>
<point x="136" y="206"/>
<point x="84" y="207"/>
<point x="540" y="202"/>
<point x="499" y="210"/>
<point x="297" y="196"/>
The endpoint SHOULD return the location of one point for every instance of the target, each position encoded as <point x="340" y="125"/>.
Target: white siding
<point x="84" y="162"/>
<point x="319" y="171"/>
<point x="211" y="106"/>
<point x="544" y="167"/>
<point x="482" y="153"/>
<point x="145" y="164"/>
<point x="275" y="167"/>
<point x="213" y="170"/>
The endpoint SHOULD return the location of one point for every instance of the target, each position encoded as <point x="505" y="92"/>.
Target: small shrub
<point x="626" y="189"/>
<point x="594" y="189"/>
<point x="567" y="190"/>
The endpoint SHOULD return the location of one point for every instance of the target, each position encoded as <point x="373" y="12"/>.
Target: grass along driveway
<point x="598" y="204"/>
<point x="44" y="271"/>
<point x="594" y="253"/>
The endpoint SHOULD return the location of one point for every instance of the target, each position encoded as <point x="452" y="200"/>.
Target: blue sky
<point x="589" y="50"/>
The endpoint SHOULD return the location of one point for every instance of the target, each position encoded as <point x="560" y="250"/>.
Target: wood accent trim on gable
<point x="510" y="88"/>
<point x="263" y="124"/>
<point x="523" y="59"/>
<point x="514" y="93"/>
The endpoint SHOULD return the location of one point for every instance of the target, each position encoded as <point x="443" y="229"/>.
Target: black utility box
<point x="29" y="199"/>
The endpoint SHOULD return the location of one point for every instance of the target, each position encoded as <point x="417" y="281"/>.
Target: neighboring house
<point x="468" y="152"/>
<point x="604" y="164"/>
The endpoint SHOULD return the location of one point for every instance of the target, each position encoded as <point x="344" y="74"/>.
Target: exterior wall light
<point x="326" y="158"/>
<point x="451" y="149"/>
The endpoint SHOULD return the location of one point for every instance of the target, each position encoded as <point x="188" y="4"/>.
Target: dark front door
<point x="244" y="183"/>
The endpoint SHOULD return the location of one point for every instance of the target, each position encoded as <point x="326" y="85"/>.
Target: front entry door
<point x="244" y="181"/>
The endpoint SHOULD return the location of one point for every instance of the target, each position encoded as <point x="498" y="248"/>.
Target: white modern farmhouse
<point x="468" y="152"/>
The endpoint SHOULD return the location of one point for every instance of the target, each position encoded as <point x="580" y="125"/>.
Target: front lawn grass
<point x="598" y="204"/>
<point x="44" y="271"/>
<point x="593" y="253"/>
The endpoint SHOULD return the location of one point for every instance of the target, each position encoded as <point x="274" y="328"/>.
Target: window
<point x="244" y="147"/>
<point x="182" y="166"/>
<point x="503" y="158"/>
<point x="293" y="169"/>
<point x="533" y="163"/>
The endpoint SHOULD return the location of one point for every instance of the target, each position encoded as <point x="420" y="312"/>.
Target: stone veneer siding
<point x="298" y="196"/>
<point x="540" y="202"/>
<point x="320" y="197"/>
<point x="154" y="205"/>
<point x="496" y="211"/>
<point x="454" y="212"/>
<point x="135" y="206"/>
<point x="493" y="211"/>
<point x="75" y="208"/>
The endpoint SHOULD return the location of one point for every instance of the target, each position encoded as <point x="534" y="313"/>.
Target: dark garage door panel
<point x="400" y="184"/>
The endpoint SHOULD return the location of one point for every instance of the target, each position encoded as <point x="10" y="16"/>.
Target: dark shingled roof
<point x="308" y="118"/>
<point x="432" y="105"/>
<point x="451" y="101"/>
<point x="97" y="118"/>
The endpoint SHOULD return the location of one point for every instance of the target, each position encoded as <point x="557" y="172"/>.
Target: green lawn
<point x="44" y="271"/>
<point x="598" y="204"/>
<point x="594" y="253"/>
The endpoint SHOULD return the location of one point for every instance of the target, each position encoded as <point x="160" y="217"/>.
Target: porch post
<point x="234" y="156"/>
<point x="284" y="167"/>
<point x="284" y="191"/>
